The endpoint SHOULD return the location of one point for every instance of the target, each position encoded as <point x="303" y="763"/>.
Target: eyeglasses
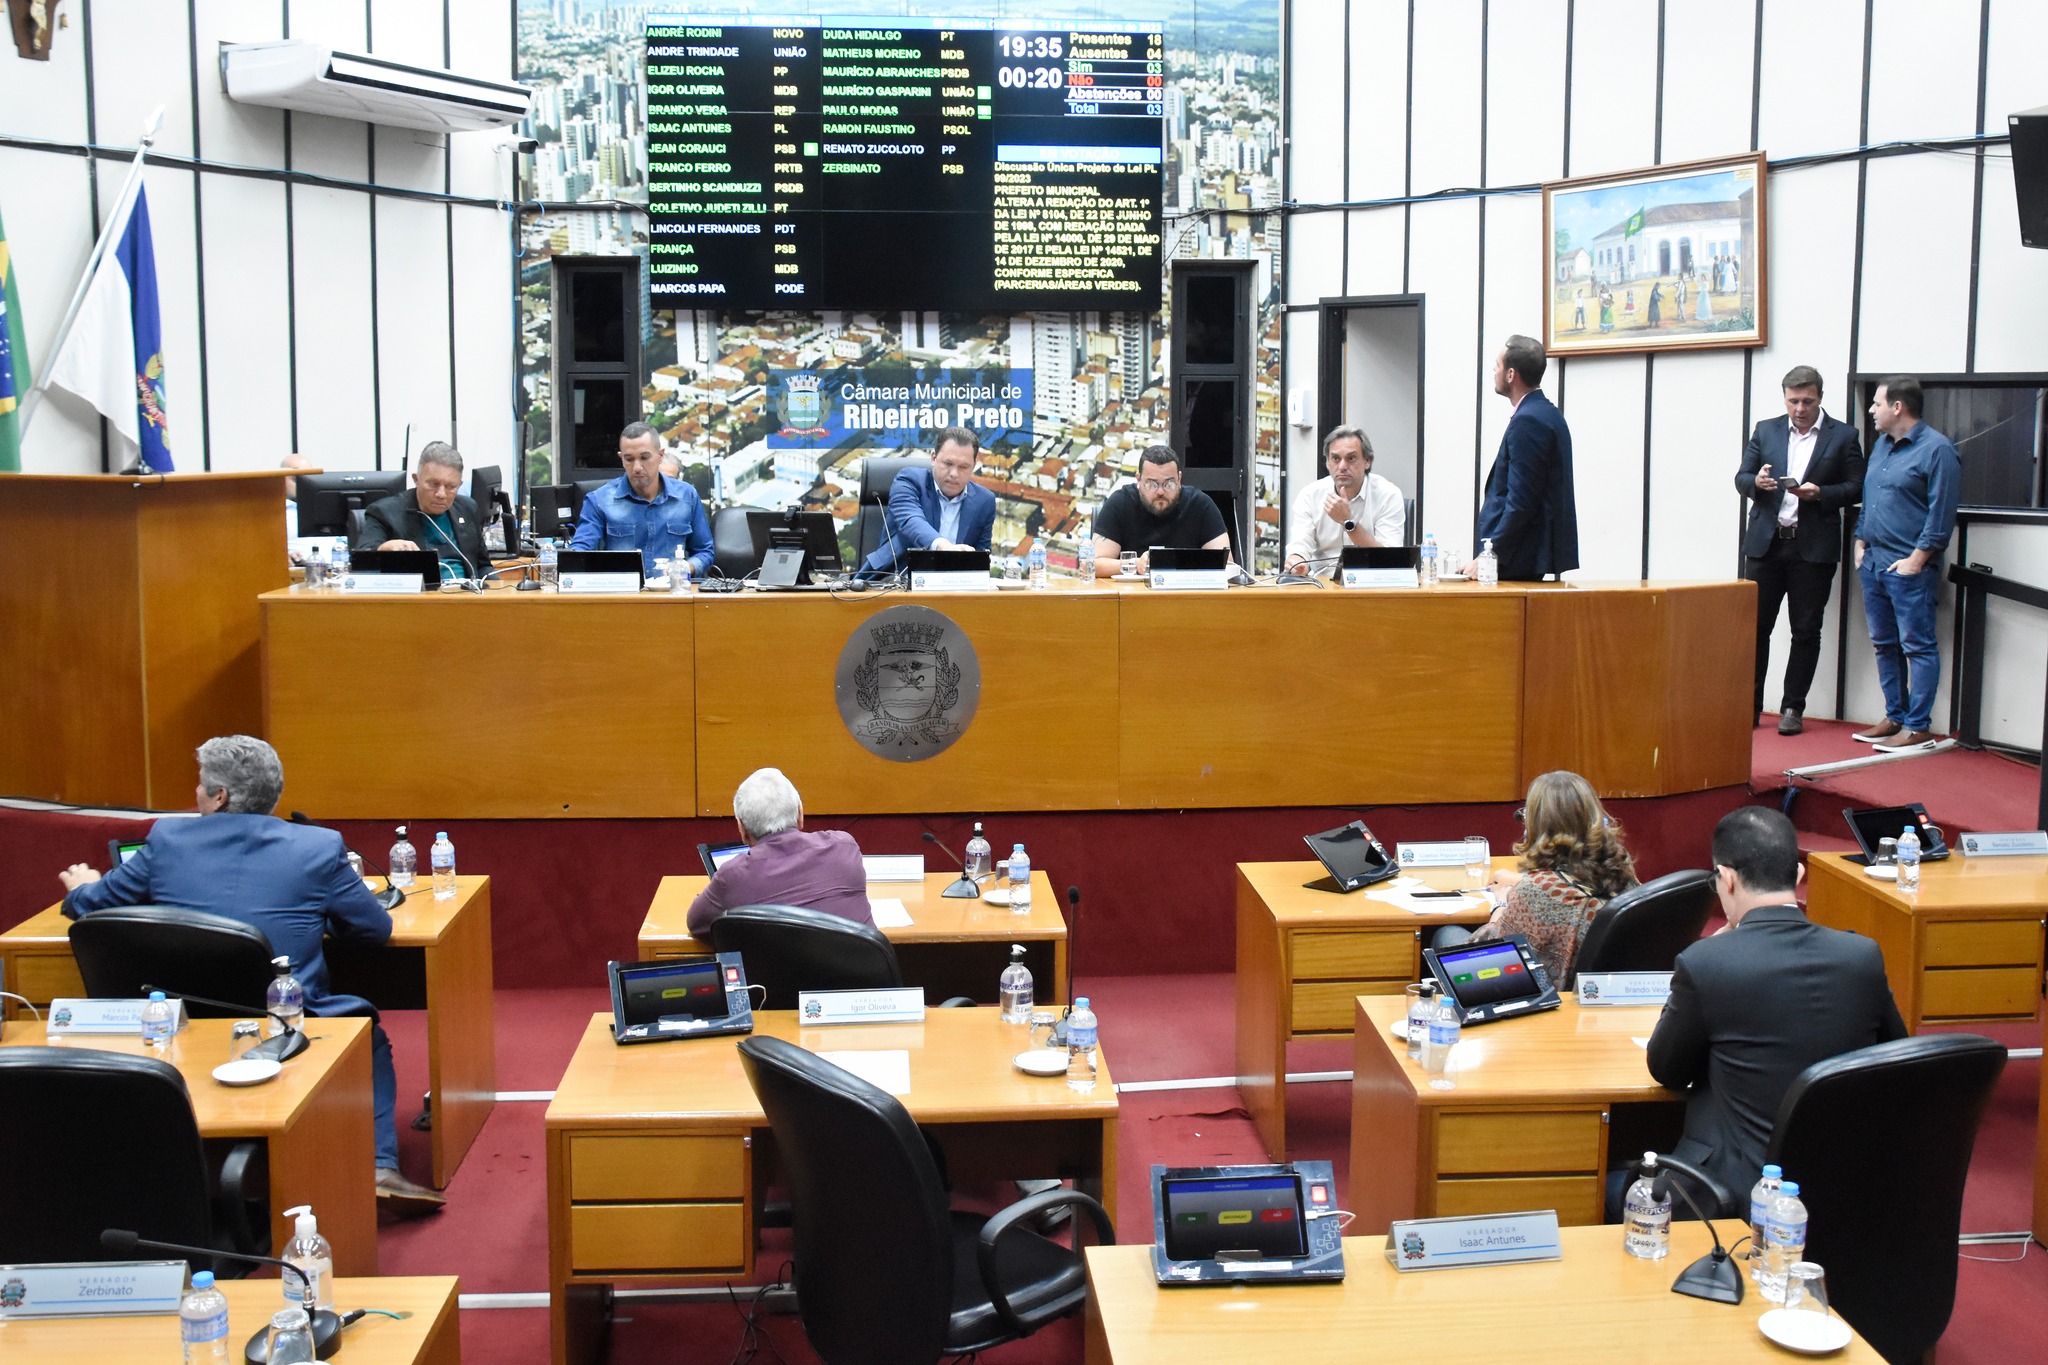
<point x="1156" y="486"/>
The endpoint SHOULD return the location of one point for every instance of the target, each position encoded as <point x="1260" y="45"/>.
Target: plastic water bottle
<point x="337" y="564"/>
<point x="1909" y="860"/>
<point x="1014" y="988"/>
<point x="156" y="1020"/>
<point x="1081" y="1046"/>
<point x="203" y="1321"/>
<point x="443" y="855"/>
<point x="405" y="860"/>
<point x="1445" y="1024"/>
<point x="1421" y="1010"/>
<point x="1429" y="561"/>
<point x="312" y="1254"/>
<point x="1647" y="1217"/>
<point x="1488" y="566"/>
<point x="316" y="569"/>
<point x="291" y="1338"/>
<point x="284" y="999"/>
<point x="1784" y="1241"/>
<point x="980" y="857"/>
<point x="1084" y="563"/>
<point x="1020" y="881"/>
<point x="548" y="562"/>
<point x="1760" y="1196"/>
<point x="1034" y="564"/>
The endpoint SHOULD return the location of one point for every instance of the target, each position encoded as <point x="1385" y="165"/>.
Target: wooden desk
<point x="315" y="1118"/>
<point x="1966" y="946"/>
<point x="1597" y="1305"/>
<point x="1524" y="1126"/>
<point x="952" y="947"/>
<point x="431" y="1336"/>
<point x="438" y="959"/>
<point x="2041" y="1150"/>
<point x="1303" y="956"/>
<point x="655" y="1151"/>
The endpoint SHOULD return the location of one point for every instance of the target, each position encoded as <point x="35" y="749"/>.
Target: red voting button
<point x="1276" y="1215"/>
<point x="1317" y="1195"/>
<point x="732" y="974"/>
<point x="1513" y="968"/>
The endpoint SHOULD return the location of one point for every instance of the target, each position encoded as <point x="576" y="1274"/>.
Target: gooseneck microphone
<point x="327" y="1324"/>
<point x="1059" y="1030"/>
<point x="280" y="1047"/>
<point x="962" y="889"/>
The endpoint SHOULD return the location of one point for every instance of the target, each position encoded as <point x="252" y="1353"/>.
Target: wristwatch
<point x="1349" y="526"/>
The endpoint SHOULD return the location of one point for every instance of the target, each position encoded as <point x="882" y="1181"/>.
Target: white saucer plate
<point x="247" y="1071"/>
<point x="1043" y="1061"/>
<point x="1813" y="1334"/>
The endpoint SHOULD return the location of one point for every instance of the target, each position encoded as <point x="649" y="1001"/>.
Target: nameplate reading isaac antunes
<point x="908" y="683"/>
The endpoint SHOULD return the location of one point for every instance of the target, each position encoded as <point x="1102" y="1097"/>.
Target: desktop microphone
<point x="1714" y="1276"/>
<point x="279" y="1047"/>
<point x="963" y="889"/>
<point x="327" y="1324"/>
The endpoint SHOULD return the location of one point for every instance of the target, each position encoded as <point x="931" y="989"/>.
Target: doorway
<point x="1369" y="375"/>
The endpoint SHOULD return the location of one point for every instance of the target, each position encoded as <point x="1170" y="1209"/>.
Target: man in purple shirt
<point x="785" y="864"/>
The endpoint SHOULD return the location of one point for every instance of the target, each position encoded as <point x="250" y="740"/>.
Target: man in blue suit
<point x="1530" y="513"/>
<point x="1798" y="471"/>
<point x="291" y="881"/>
<point x="940" y="508"/>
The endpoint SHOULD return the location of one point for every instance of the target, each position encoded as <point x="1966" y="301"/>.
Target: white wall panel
<point x="1446" y="95"/>
<point x="248" y="361"/>
<point x="1379" y="98"/>
<point x="1811" y="91"/>
<point x="141" y="58"/>
<point x="1525" y="97"/>
<point x="481" y="44"/>
<point x="483" y="340"/>
<point x="1910" y="40"/>
<point x="1300" y="333"/>
<point x="407" y="31"/>
<point x="1604" y="408"/>
<point x="1696" y="439"/>
<point x="331" y="231"/>
<point x="1378" y="251"/>
<point x="412" y="325"/>
<point x="1812" y="270"/>
<point x="1916" y="266"/>
<point x="1315" y="257"/>
<point x="2013" y="291"/>
<point x="240" y="134"/>
<point x="2012" y="60"/>
<point x="1706" y="78"/>
<point x="1315" y="117"/>
<point x="1614" y="86"/>
<point x="1513" y="303"/>
<point x="1444" y="248"/>
<point x="48" y="248"/>
<point x="46" y="99"/>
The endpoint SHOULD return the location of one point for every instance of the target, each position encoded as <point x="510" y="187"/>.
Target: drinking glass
<point x="1806" y="1288"/>
<point x="1887" y="853"/>
<point x="1127" y="562"/>
<point x="1478" y="859"/>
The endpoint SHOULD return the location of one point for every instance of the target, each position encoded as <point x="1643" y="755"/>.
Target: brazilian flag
<point x="14" y="375"/>
<point x="1633" y="226"/>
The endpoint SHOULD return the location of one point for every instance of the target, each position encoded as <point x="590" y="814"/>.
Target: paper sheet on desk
<point x="1400" y="892"/>
<point x="889" y="912"/>
<point x="888" y="1069"/>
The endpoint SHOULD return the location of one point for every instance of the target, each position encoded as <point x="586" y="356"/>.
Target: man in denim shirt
<point x="645" y="510"/>
<point x="1909" y="510"/>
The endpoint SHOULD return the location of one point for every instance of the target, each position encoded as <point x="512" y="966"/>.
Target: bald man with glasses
<point x="1157" y="510"/>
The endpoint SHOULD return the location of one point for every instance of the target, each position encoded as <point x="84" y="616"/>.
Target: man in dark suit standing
<point x="940" y="508"/>
<point x="1530" y="513"/>
<point x="1759" y="1002"/>
<point x="1798" y="471"/>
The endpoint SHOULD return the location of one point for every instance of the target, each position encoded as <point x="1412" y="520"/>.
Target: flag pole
<point x="32" y="401"/>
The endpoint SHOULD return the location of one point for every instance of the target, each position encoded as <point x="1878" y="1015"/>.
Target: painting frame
<point x="1685" y="269"/>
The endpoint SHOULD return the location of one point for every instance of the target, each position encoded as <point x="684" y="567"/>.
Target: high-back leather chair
<point x="180" y="952"/>
<point x="1879" y="1140"/>
<point x="877" y="473"/>
<point x="787" y="949"/>
<point x="98" y="1140"/>
<point x="732" y="543"/>
<point x="1646" y="927"/>
<point x="886" y="1273"/>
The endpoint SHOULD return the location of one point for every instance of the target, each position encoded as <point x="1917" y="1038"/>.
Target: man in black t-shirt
<point x="1158" y="510"/>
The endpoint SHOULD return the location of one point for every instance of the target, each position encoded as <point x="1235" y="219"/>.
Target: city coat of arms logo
<point x="803" y="406"/>
<point x="13" y="1294"/>
<point x="908" y="683"/>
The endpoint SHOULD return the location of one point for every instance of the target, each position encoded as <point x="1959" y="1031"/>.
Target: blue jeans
<point x="1899" y="609"/>
<point x="384" y="1097"/>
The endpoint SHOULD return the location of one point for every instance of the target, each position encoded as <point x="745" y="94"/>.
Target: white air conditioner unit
<point x="313" y="79"/>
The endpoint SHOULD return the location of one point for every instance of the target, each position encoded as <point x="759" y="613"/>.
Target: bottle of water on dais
<point x="1429" y="560"/>
<point x="1909" y="859"/>
<point x="404" y="862"/>
<point x="203" y="1321"/>
<point x="1081" y="1046"/>
<point x="1421" y="1009"/>
<point x="1760" y="1196"/>
<point x="443" y="854"/>
<point x="1445" y="1024"/>
<point x="1034" y="563"/>
<point x="1014" y="989"/>
<point x="156" y="1020"/>
<point x="1020" y="881"/>
<point x="1784" y="1241"/>
<point x="1084" y="560"/>
<point x="980" y="860"/>
<point x="1647" y="1218"/>
<point x="284" y="1000"/>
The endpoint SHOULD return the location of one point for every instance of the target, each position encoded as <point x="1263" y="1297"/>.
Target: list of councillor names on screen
<point x="959" y="165"/>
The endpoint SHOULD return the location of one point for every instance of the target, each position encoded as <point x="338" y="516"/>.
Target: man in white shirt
<point x="1350" y="505"/>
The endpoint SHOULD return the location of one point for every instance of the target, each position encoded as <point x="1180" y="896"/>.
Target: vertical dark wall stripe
<point x="1479" y="394"/>
<point x="376" y="327"/>
<point x="1756" y="85"/>
<point x="1855" y="333"/>
<point x="1344" y="262"/>
<point x="1571" y="23"/>
<point x="291" y="267"/>
<point x="1657" y="132"/>
<point x="1408" y="158"/>
<point x="199" y="240"/>
<point x="92" y="185"/>
<point x="1748" y="376"/>
<point x="1977" y="193"/>
<point x="1650" y="361"/>
<point x="448" y="211"/>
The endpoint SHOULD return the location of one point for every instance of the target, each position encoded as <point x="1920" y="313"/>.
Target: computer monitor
<point x="485" y="481"/>
<point x="325" y="500"/>
<point x="556" y="506"/>
<point x="821" y="538"/>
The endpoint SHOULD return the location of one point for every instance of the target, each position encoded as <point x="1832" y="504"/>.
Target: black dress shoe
<point x="1789" y="722"/>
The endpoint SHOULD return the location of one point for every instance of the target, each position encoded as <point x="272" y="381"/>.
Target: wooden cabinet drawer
<point x="657" y="1166"/>
<point x="1330" y="1006"/>
<point x="1580" y="1200"/>
<point x="1982" y="943"/>
<point x="1542" y="1143"/>
<point x="1980" y="993"/>
<point x="46" y="978"/>
<point x="652" y="1238"/>
<point x="1326" y="957"/>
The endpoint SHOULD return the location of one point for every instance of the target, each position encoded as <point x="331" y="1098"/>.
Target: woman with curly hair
<point x="1572" y="863"/>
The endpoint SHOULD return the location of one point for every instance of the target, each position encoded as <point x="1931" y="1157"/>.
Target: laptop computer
<point x="1492" y="978"/>
<point x="425" y="563"/>
<point x="716" y="856"/>
<point x="1170" y="557"/>
<point x="601" y="561"/>
<point x="1379" y="557"/>
<point x="946" y="561"/>
<point x="1887" y="822"/>
<point x="1353" y="856"/>
<point x="680" y="997"/>
<point x="1261" y="1224"/>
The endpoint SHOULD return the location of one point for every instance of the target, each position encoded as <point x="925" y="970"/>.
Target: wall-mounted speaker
<point x="2030" y="173"/>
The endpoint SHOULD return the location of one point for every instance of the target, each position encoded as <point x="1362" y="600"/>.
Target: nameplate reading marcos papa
<point x="908" y="683"/>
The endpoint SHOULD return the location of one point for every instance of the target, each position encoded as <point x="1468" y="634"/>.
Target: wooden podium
<point x="129" y="624"/>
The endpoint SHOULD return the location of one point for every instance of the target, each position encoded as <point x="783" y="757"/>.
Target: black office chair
<point x="178" y="951"/>
<point x="99" y="1140"/>
<point x="732" y="543"/>
<point x="886" y="1273"/>
<point x="1879" y="1140"/>
<point x="788" y="949"/>
<point x="877" y="472"/>
<point x="1646" y="927"/>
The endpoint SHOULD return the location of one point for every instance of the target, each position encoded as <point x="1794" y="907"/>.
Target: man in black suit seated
<point x="1756" y="1004"/>
<point x="1798" y="471"/>
<point x="434" y="515"/>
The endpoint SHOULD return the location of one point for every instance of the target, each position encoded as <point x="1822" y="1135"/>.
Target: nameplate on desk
<point x="381" y="582"/>
<point x="1436" y="853"/>
<point x="1190" y="580"/>
<point x="1623" y="988"/>
<point x="1381" y="578"/>
<point x="893" y="867"/>
<point x="2014" y="844"/>
<point x="952" y="580"/>
<point x="1496" y="1239"/>
<point x="102" y="1017"/>
<point x="91" y="1289"/>
<point x="586" y="581"/>
<point x="901" y="1004"/>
